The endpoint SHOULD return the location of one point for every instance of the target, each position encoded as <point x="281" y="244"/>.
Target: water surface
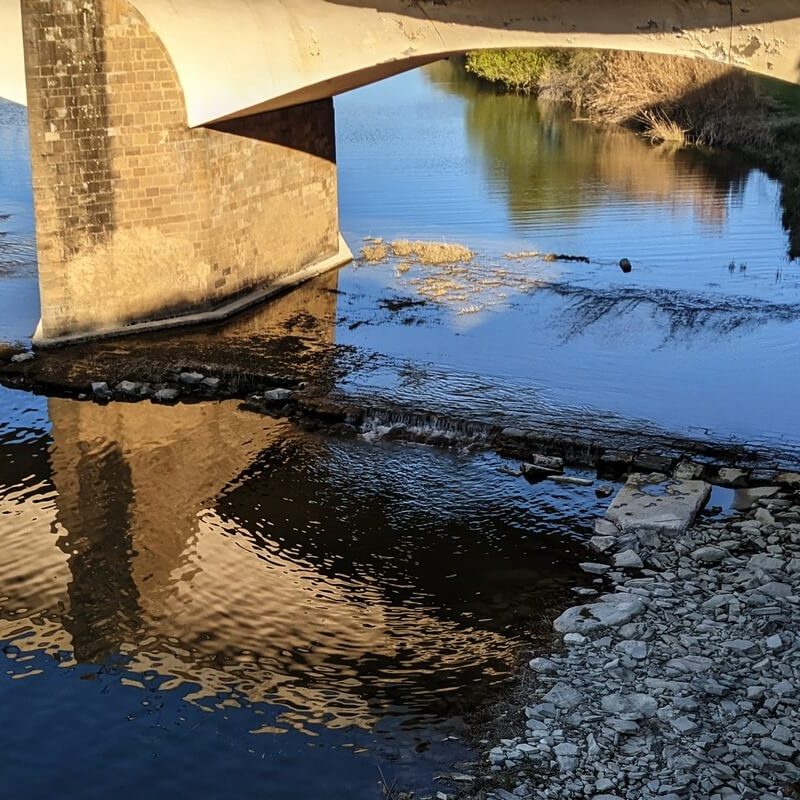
<point x="191" y="596"/>
<point x="199" y="597"/>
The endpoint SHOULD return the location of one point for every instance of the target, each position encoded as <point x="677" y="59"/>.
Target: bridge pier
<point x="141" y="220"/>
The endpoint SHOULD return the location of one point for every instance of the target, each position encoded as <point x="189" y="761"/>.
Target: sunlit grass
<point x="432" y="252"/>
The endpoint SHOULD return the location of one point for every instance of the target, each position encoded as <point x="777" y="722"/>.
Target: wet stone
<point x="658" y="504"/>
<point x="101" y="390"/>
<point x="278" y="395"/>
<point x="190" y="378"/>
<point x="166" y="396"/>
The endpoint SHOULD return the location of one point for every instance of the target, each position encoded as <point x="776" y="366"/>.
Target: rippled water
<point x="198" y="598"/>
<point x="19" y="297"/>
<point x="195" y="593"/>
<point x="701" y="337"/>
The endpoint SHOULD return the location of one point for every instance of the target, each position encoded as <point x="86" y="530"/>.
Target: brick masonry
<point x="140" y="217"/>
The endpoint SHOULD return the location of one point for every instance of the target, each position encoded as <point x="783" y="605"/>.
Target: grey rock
<point x="562" y="695"/>
<point x="791" y="479"/>
<point x="594" y="616"/>
<point x="278" y="395"/>
<point x="709" y="554"/>
<point x="762" y="515"/>
<point x="101" y="390"/>
<point x="594" y="569"/>
<point x="633" y="649"/>
<point x="779" y="748"/>
<point x="544" y="666"/>
<point x="776" y="589"/>
<point x="745" y="499"/>
<point x="688" y="470"/>
<point x="566" y="749"/>
<point x="728" y="476"/>
<point x="627" y="726"/>
<point x="211" y="383"/>
<point x="684" y="725"/>
<point x="166" y="396"/>
<point x="600" y="544"/>
<point x="741" y="645"/>
<point x="767" y="563"/>
<point x="633" y="706"/>
<point x="628" y="559"/>
<point x="129" y="389"/>
<point x="21" y="358"/>
<point x="661" y="504"/>
<point x="190" y="378"/>
<point x="691" y="664"/>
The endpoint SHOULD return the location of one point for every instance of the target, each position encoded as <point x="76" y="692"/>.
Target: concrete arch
<point x="262" y="55"/>
<point x="12" y="61"/>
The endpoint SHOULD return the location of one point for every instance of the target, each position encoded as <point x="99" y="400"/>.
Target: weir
<point x="184" y="160"/>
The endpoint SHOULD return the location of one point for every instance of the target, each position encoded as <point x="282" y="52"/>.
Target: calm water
<point x="197" y="598"/>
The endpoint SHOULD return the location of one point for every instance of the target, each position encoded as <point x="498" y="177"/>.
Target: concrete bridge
<point x="183" y="151"/>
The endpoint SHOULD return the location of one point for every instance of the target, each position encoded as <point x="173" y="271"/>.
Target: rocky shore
<point x="678" y="679"/>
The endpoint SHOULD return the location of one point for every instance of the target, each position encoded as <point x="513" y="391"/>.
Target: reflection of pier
<point x="150" y="560"/>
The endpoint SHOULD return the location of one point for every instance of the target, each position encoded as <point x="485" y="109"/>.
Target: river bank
<point x="679" y="679"/>
<point x="674" y="101"/>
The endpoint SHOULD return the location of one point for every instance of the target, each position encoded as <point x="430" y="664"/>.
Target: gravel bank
<point x="678" y="679"/>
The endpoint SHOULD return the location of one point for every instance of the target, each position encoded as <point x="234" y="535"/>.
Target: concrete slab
<point x="657" y="503"/>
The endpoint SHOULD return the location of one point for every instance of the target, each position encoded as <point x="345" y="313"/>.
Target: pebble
<point x="710" y="555"/>
<point x="594" y="569"/>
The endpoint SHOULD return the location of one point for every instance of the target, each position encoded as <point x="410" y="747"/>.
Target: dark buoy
<point x="625" y="265"/>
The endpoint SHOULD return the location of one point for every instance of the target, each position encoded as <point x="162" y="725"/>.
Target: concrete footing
<point x="218" y="314"/>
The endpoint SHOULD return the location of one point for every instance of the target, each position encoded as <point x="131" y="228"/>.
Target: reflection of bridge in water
<point x="170" y="182"/>
<point x="230" y="555"/>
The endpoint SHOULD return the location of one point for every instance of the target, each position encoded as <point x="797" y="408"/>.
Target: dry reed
<point x="432" y="252"/>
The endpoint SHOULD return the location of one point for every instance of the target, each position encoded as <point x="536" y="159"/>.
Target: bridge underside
<point x="183" y="151"/>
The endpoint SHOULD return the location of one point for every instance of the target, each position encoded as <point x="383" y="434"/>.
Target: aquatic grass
<point x="375" y="252"/>
<point x="432" y="252"/>
<point x="661" y="129"/>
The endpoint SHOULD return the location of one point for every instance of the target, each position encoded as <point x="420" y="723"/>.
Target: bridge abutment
<point x="141" y="220"/>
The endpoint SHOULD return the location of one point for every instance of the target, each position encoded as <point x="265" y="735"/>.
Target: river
<point x="199" y="597"/>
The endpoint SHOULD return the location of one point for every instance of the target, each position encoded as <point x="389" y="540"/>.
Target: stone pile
<point x="679" y="680"/>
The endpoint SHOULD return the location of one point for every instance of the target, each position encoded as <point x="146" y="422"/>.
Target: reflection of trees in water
<point x="542" y="161"/>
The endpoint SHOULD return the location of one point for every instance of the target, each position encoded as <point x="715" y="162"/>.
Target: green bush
<point x="517" y="70"/>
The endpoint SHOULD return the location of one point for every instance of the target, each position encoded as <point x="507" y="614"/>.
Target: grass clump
<point x="375" y="252"/>
<point x="432" y="252"/>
